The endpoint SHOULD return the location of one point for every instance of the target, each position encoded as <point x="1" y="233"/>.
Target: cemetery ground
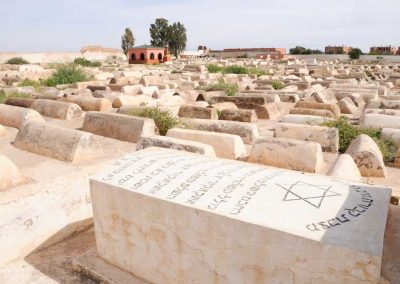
<point x="65" y="136"/>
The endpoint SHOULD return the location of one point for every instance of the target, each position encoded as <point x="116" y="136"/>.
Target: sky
<point x="68" y="25"/>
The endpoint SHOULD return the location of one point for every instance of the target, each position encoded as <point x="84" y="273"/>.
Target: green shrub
<point x="348" y="132"/>
<point x="214" y="68"/>
<point x="4" y="96"/>
<point x="388" y="149"/>
<point x="256" y="71"/>
<point x="66" y="74"/>
<point x="84" y="62"/>
<point x="355" y="53"/>
<point x="164" y="120"/>
<point x="234" y="69"/>
<point x="17" y="61"/>
<point x="28" y="83"/>
<point x="229" y="89"/>
<point x="277" y="85"/>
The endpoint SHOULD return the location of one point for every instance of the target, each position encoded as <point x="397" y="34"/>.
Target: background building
<point x="260" y="53"/>
<point x="384" y="50"/>
<point x="202" y="51"/>
<point x="147" y="54"/>
<point x="337" y="49"/>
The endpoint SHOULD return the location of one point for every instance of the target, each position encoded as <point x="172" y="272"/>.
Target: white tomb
<point x="173" y="217"/>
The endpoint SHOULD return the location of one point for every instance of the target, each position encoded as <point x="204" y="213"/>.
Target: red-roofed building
<point x="147" y="54"/>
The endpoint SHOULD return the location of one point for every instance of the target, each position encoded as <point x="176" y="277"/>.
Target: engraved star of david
<point x="310" y="193"/>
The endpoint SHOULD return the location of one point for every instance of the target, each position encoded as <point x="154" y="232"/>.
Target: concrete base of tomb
<point x="53" y="203"/>
<point x="55" y="264"/>
<point x="92" y="266"/>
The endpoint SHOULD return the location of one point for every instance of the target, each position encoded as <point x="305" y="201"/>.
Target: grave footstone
<point x="57" y="109"/>
<point x="304" y="119"/>
<point x="197" y="112"/>
<point x="89" y="103"/>
<point x="243" y="115"/>
<point x="327" y="137"/>
<point x="379" y="121"/>
<point x="247" y="131"/>
<point x="118" y="126"/>
<point x="288" y="154"/>
<point x="367" y="156"/>
<point x="13" y="116"/>
<point x="225" y="145"/>
<point x="176" y="144"/>
<point x="19" y="102"/>
<point x="10" y="175"/>
<point x="64" y="144"/>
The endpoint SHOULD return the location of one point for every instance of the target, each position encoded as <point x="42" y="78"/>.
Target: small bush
<point x="388" y="149"/>
<point x="229" y="89"/>
<point x="4" y="96"/>
<point x="66" y="74"/>
<point x="348" y="132"/>
<point x="355" y="53"/>
<point x="277" y="85"/>
<point x="30" y="83"/>
<point x="234" y="69"/>
<point x="17" y="61"/>
<point x="164" y="120"/>
<point x="256" y="71"/>
<point x="87" y="63"/>
<point x="214" y="68"/>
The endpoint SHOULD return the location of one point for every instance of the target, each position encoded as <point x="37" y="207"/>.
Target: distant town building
<point x="147" y="54"/>
<point x="337" y="49"/>
<point x="385" y="50"/>
<point x="260" y="53"/>
<point x="202" y="51"/>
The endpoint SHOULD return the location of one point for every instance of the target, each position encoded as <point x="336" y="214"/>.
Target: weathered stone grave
<point x="168" y="216"/>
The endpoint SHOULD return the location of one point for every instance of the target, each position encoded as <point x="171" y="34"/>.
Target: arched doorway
<point x="200" y="98"/>
<point x="133" y="57"/>
<point x="152" y="56"/>
<point x="160" y="57"/>
<point x="142" y="57"/>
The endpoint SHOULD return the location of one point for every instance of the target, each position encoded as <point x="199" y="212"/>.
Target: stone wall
<point x="388" y="58"/>
<point x="329" y="57"/>
<point x="90" y="53"/>
<point x="41" y="57"/>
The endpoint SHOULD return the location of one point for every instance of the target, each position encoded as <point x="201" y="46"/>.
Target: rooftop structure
<point x="147" y="54"/>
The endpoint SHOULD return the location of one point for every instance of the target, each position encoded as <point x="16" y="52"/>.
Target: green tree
<point x="127" y="40"/>
<point x="178" y="39"/>
<point x="355" y="53"/>
<point x="302" y="50"/>
<point x="297" y="50"/>
<point x="17" y="61"/>
<point x="160" y="33"/>
<point x="316" y="51"/>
